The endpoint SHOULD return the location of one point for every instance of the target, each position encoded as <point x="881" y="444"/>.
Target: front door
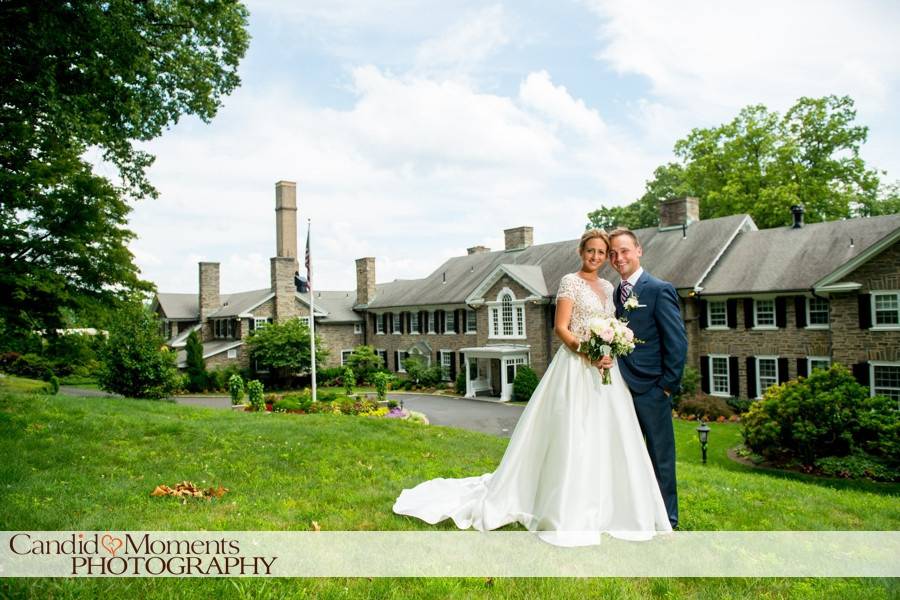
<point x="495" y="379"/>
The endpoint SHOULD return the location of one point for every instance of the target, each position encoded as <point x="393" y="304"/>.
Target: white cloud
<point x="466" y="44"/>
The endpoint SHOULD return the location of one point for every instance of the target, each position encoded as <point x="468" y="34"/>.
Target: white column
<point x="469" y="392"/>
<point x="503" y="395"/>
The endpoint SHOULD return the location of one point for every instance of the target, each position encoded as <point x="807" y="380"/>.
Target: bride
<point x="576" y="464"/>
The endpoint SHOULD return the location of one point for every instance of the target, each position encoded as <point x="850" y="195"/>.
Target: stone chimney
<point x="209" y="289"/>
<point x="518" y="238"/>
<point x="283" y="269"/>
<point x="286" y="219"/>
<point x="477" y="250"/>
<point x="676" y="212"/>
<point x="365" y="280"/>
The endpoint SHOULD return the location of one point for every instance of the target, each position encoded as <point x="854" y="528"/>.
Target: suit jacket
<point x="659" y="361"/>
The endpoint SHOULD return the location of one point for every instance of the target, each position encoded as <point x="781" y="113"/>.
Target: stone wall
<point x="337" y="337"/>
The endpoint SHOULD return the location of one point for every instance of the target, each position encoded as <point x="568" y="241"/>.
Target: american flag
<point x="308" y="263"/>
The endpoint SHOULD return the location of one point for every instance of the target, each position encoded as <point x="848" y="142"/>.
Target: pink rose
<point x="629" y="335"/>
<point x="607" y="335"/>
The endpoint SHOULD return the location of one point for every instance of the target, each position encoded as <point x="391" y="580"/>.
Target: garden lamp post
<point x="703" y="434"/>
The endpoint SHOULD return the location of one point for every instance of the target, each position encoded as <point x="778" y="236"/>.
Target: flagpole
<point x="312" y="320"/>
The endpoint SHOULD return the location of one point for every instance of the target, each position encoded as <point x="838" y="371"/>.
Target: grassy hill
<point x="91" y="463"/>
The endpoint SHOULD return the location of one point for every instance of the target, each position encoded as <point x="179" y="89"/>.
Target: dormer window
<point x="507" y="316"/>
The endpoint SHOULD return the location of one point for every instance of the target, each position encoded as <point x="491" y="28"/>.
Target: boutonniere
<point x="632" y="302"/>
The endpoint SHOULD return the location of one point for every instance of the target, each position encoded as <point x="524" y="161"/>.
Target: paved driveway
<point x="485" y="416"/>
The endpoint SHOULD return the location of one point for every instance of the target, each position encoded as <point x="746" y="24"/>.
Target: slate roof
<point x="786" y="259"/>
<point x="240" y="302"/>
<point x="179" y="306"/>
<point x="336" y="305"/>
<point x="667" y="255"/>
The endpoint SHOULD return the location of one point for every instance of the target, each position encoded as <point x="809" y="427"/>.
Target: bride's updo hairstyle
<point x="591" y="234"/>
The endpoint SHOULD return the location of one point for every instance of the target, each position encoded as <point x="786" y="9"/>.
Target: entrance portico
<point x="493" y="368"/>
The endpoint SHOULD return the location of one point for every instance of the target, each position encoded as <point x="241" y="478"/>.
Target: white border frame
<point x="878" y="363"/>
<point x="889" y="326"/>
<point x="709" y="324"/>
<point x="759" y="390"/>
<point x="712" y="391"/>
<point x="756" y="325"/>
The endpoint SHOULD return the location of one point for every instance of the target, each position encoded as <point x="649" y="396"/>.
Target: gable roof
<point x="787" y="259"/>
<point x="531" y="277"/>
<point x="336" y="304"/>
<point x="241" y="302"/>
<point x="682" y="260"/>
<point x="179" y="306"/>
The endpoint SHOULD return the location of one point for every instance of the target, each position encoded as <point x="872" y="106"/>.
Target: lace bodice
<point x="586" y="303"/>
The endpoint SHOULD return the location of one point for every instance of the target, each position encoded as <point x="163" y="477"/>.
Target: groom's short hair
<point x="623" y="231"/>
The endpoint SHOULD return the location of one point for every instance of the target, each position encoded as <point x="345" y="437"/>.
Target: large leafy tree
<point x="93" y="78"/>
<point x="761" y="163"/>
<point x="283" y="349"/>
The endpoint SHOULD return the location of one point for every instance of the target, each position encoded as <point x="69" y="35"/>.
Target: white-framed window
<point x="304" y="320"/>
<point x="718" y="314"/>
<point x="345" y="356"/>
<point x="471" y="321"/>
<point x="401" y="357"/>
<point x="396" y="319"/>
<point x="430" y="317"/>
<point x="383" y="354"/>
<point x="885" y="379"/>
<point x="507" y="316"/>
<point x="446" y="364"/>
<point x="260" y="322"/>
<point x="817" y="313"/>
<point x="764" y="313"/>
<point x="449" y="321"/>
<point x="886" y="310"/>
<point x="232" y="353"/>
<point x="719" y="375"/>
<point x="379" y="324"/>
<point x="766" y="373"/>
<point x="817" y="362"/>
<point x="512" y="367"/>
<point x="414" y="322"/>
<point x="357" y="328"/>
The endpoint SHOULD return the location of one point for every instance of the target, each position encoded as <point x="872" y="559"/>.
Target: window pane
<point x="507" y="315"/>
<point x="520" y="320"/>
<point x="768" y="373"/>
<point x="720" y="375"/>
<point x="887" y="380"/>
<point x="717" y="314"/>
<point x="765" y="312"/>
<point x="470" y="320"/>
<point x="818" y="311"/>
<point x="887" y="309"/>
<point x="819" y="363"/>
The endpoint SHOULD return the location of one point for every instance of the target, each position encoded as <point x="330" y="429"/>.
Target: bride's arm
<point x="561" y="327"/>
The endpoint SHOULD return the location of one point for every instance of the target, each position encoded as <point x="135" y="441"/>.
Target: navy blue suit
<point x="655" y="365"/>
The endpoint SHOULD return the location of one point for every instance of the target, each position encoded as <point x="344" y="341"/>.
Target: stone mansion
<point x="760" y="306"/>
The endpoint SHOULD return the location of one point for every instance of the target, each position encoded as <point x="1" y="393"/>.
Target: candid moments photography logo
<point x="138" y="554"/>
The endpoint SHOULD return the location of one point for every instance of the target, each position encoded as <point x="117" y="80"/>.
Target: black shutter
<point x="704" y="374"/>
<point x="800" y="310"/>
<point x="751" y="377"/>
<point x="374" y="323"/>
<point x="731" y="306"/>
<point x="396" y="360"/>
<point x="861" y="373"/>
<point x="704" y="313"/>
<point x="748" y="313"/>
<point x="734" y="378"/>
<point x="423" y="321"/>
<point x="865" y="311"/>
<point x="441" y="324"/>
<point x="453" y="366"/>
<point x="783" y="370"/>
<point x="384" y="322"/>
<point x="781" y="312"/>
<point x="460" y="321"/>
<point x="802" y="364"/>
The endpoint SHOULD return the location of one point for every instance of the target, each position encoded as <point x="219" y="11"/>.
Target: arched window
<point x="507" y="316"/>
<point x="506" y="303"/>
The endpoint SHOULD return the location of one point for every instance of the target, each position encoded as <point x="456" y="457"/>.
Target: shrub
<point x="32" y="366"/>
<point x="135" y="362"/>
<point x="858" y="465"/>
<point x="54" y="384"/>
<point x="255" y="394"/>
<point x="236" y="388"/>
<point x="431" y="376"/>
<point x="381" y="382"/>
<point x="825" y="414"/>
<point x="739" y="405"/>
<point x="330" y="376"/>
<point x="708" y="408"/>
<point x="349" y="380"/>
<point x="196" y="368"/>
<point x="365" y="362"/>
<point x="286" y="404"/>
<point x="283" y="349"/>
<point x="72" y="353"/>
<point x="301" y="399"/>
<point x="461" y="382"/>
<point x="326" y="395"/>
<point x="525" y="382"/>
<point x="690" y="382"/>
<point x="392" y="404"/>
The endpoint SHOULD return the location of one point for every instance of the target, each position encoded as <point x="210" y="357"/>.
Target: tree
<point x="762" y="163"/>
<point x="135" y="360"/>
<point x="365" y="362"/>
<point x="196" y="368"/>
<point x="94" y="77"/>
<point x="283" y="348"/>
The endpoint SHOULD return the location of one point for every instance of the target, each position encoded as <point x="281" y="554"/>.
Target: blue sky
<point x="417" y="129"/>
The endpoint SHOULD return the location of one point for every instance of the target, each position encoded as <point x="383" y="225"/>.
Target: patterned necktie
<point x="624" y="291"/>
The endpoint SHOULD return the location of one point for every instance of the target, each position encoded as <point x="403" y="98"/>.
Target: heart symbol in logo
<point x="111" y="544"/>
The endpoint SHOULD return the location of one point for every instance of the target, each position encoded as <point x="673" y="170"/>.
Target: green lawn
<point x="91" y="463"/>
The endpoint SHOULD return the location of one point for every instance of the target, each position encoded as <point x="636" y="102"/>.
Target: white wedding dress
<point x="576" y="464"/>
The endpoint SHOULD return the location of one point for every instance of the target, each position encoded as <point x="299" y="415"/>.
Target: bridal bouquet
<point x="609" y="337"/>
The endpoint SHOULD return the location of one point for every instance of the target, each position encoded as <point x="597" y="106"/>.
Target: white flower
<point x="631" y="303"/>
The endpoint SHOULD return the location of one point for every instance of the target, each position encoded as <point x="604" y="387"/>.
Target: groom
<point x="653" y="370"/>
